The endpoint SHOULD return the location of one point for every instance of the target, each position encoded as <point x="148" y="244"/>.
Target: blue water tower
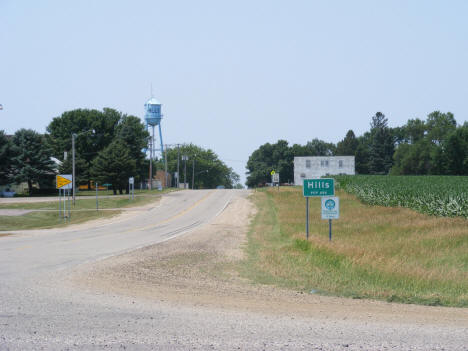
<point x="153" y="118"/>
<point x="153" y="112"/>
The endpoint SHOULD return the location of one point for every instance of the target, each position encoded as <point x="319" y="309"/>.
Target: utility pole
<point x="178" y="174"/>
<point x="193" y="170"/>
<point x="73" y="166"/>
<point x="150" y="177"/>
<point x="185" y="158"/>
<point x="165" y="165"/>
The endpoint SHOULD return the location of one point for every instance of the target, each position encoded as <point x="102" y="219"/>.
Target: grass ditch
<point x="392" y="254"/>
<point x="47" y="215"/>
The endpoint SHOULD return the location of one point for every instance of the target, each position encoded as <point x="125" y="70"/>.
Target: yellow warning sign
<point x="272" y="172"/>
<point x="63" y="180"/>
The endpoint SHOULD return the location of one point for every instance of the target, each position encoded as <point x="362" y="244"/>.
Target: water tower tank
<point x="153" y="112"/>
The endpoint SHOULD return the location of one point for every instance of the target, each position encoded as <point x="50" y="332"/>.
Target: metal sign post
<point x="275" y="179"/>
<point x="64" y="182"/>
<point x="97" y="201"/>
<point x="319" y="187"/>
<point x="330" y="210"/>
<point x="131" y="187"/>
<point x="307" y="218"/>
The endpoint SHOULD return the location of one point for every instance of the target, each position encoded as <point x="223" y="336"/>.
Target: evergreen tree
<point x="382" y="145"/>
<point x="363" y="154"/>
<point x="114" y="165"/>
<point x="5" y="159"/>
<point x="131" y="130"/>
<point x="31" y="158"/>
<point x="347" y="146"/>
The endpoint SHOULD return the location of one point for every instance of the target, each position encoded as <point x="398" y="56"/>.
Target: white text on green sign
<point x="319" y="187"/>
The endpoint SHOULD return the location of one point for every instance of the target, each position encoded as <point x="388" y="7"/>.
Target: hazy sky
<point x="233" y="75"/>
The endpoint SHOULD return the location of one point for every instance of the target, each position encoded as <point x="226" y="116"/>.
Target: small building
<point x="307" y="167"/>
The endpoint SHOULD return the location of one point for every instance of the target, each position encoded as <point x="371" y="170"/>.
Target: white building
<point x="318" y="166"/>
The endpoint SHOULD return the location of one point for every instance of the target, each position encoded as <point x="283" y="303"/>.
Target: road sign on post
<point x="64" y="181"/>
<point x="330" y="207"/>
<point x="319" y="187"/>
<point x="330" y="210"/>
<point x="275" y="178"/>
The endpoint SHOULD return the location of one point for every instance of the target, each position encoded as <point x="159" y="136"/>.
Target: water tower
<point x="153" y="118"/>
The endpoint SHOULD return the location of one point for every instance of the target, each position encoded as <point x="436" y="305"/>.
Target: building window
<point x="324" y="163"/>
<point x="340" y="163"/>
<point x="302" y="175"/>
<point x="307" y="163"/>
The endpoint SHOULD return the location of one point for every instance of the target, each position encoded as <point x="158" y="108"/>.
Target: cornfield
<point x="445" y="196"/>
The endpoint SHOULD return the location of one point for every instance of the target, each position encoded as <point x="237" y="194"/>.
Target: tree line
<point x="437" y="146"/>
<point x="110" y="147"/>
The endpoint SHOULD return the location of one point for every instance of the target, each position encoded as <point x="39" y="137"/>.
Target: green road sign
<point x="319" y="187"/>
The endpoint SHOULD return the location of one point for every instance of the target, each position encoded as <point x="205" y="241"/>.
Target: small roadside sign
<point x="64" y="181"/>
<point x="275" y="178"/>
<point x="131" y="180"/>
<point x="272" y="172"/>
<point x="330" y="207"/>
<point x="319" y="187"/>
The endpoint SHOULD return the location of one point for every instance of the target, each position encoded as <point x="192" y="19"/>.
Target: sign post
<point x="275" y="178"/>
<point x="64" y="182"/>
<point x="330" y="210"/>
<point x="131" y="188"/>
<point x="324" y="188"/>
<point x="307" y="218"/>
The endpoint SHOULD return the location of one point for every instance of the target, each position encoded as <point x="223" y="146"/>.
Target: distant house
<point x="318" y="166"/>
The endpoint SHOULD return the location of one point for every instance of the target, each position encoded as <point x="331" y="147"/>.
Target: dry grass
<point x="378" y="252"/>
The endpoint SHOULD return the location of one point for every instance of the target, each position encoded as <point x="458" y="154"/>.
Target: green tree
<point x="318" y="147"/>
<point x="94" y="130"/>
<point x="5" y="159"/>
<point x="114" y="165"/>
<point x="347" y="146"/>
<point x="31" y="159"/>
<point x="269" y="157"/>
<point x="382" y="145"/>
<point x="413" y="159"/>
<point x="362" y="155"/>
<point x="204" y="164"/>
<point x="439" y="126"/>
<point x="456" y="151"/>
<point x="131" y="130"/>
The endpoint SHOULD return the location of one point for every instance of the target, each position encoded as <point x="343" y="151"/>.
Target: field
<point x="386" y="253"/>
<point x="434" y="195"/>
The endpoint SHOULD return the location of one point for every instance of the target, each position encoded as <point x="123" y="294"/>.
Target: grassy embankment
<point x="83" y="211"/>
<point x="392" y="254"/>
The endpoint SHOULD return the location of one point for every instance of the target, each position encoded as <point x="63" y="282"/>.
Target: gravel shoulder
<point x="200" y="269"/>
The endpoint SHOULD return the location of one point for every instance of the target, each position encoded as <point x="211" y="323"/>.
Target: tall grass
<point x="394" y="254"/>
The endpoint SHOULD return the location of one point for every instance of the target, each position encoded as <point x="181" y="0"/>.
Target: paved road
<point x="37" y="312"/>
<point x="29" y="253"/>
